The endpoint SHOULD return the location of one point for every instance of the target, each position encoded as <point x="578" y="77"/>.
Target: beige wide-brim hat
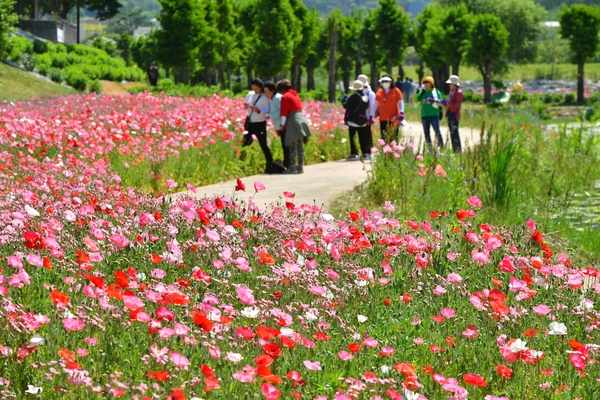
<point x="363" y="78"/>
<point x="453" y="80"/>
<point x="357" y="85"/>
<point x="428" y="79"/>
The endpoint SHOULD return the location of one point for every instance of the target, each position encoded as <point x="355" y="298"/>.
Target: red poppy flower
<point x="499" y="308"/>
<point x="406" y="298"/>
<point x="272" y="349"/>
<point x="461" y="215"/>
<point x="58" y="297"/>
<point x="66" y="354"/>
<point x="211" y="383"/>
<point x="321" y="336"/>
<point x="206" y="370"/>
<point x="201" y="320"/>
<point x="121" y="278"/>
<point x="266" y="332"/>
<point x="266" y="258"/>
<point x="245" y="332"/>
<point x="405" y="369"/>
<point x="240" y="185"/>
<point x="386" y="302"/>
<point x="156" y="259"/>
<point x="475" y="380"/>
<point x="537" y="237"/>
<point x="504" y="371"/>
<point x="531" y="332"/>
<point x="287" y="342"/>
<point x="354" y="348"/>
<point x="160" y="376"/>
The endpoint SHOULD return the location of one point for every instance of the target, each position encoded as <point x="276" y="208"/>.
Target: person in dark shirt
<point x="153" y="74"/>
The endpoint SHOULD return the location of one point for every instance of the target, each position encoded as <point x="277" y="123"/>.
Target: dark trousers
<point x="364" y="139"/>
<point x="259" y="129"/>
<point x="454" y="136"/>
<point x="386" y="126"/>
<point x="286" y="150"/>
<point x="153" y="82"/>
<point x="435" y="123"/>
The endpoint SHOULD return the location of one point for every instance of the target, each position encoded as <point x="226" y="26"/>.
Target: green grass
<point x="16" y="85"/>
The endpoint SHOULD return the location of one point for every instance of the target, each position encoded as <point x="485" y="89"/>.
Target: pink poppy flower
<point x="313" y="366"/>
<point x="531" y="225"/>
<point x="119" y="240"/>
<point x="245" y="377"/>
<point x="258" y="186"/>
<point x="179" y="360"/>
<point x="344" y="355"/>
<point x="448" y="313"/>
<point x="542" y="309"/>
<point x="473" y="201"/>
<point x="170" y="183"/>
<point x="191" y="188"/>
<point x="270" y="391"/>
<point x="73" y="324"/>
<point x="245" y="295"/>
<point x="332" y="274"/>
<point x="317" y="290"/>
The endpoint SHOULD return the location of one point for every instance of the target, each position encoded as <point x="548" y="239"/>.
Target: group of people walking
<point x="282" y="104"/>
<point x="363" y="105"/>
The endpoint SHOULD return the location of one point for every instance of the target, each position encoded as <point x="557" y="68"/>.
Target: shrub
<point x="28" y="62"/>
<point x="59" y="60"/>
<point x="40" y="47"/>
<point x="76" y="78"/>
<point x="468" y="95"/>
<point x="18" y="47"/>
<point x="95" y="86"/>
<point x="477" y="98"/>
<point x="570" y="98"/>
<point x="43" y="62"/>
<point x="55" y="74"/>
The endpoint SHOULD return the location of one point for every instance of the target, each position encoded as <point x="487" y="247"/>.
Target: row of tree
<point x="211" y="40"/>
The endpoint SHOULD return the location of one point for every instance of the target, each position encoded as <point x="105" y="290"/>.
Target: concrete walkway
<point x="322" y="183"/>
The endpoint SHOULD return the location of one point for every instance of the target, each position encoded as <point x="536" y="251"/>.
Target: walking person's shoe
<point x="353" y="157"/>
<point x="366" y="157"/>
<point x="290" y="171"/>
<point x="300" y="170"/>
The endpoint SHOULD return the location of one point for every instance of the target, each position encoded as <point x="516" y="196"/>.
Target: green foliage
<point x="7" y="20"/>
<point x="455" y="22"/>
<point x="142" y="51"/>
<point x="580" y="25"/>
<point x="391" y="27"/>
<point x="180" y="40"/>
<point x="105" y="43"/>
<point x="124" y="44"/>
<point x="18" y="46"/>
<point x="95" y="86"/>
<point x="75" y="78"/>
<point x="55" y="75"/>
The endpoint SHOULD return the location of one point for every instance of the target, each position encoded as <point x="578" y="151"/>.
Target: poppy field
<point x="109" y="291"/>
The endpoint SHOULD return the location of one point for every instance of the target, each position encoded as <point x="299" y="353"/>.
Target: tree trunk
<point x="357" y="66"/>
<point x="580" y="98"/>
<point x="249" y="74"/>
<point x="421" y="71"/>
<point x="310" y="78"/>
<point x="390" y="66"/>
<point x="221" y="75"/>
<point x="487" y="82"/>
<point x="444" y="75"/>
<point x="228" y="73"/>
<point x="455" y="69"/>
<point x="346" y="77"/>
<point x="298" y="83"/>
<point x="332" y="68"/>
<point x="401" y="72"/>
<point x="374" y="76"/>
<point x="167" y="72"/>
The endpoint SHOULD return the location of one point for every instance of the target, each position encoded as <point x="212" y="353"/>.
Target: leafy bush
<point x="468" y="95"/>
<point x="95" y="86"/>
<point x="18" y="47"/>
<point x="76" y="78"/>
<point x="28" y="61"/>
<point x="570" y="98"/>
<point x="477" y="98"/>
<point x="59" y="60"/>
<point x="43" y="62"/>
<point x="105" y="43"/>
<point x="55" y="74"/>
<point x="319" y="95"/>
<point x="41" y="47"/>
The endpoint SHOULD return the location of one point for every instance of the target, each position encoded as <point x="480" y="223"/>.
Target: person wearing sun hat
<point x="356" y="118"/>
<point x="391" y="108"/>
<point x="430" y="99"/>
<point x="372" y="110"/>
<point x="455" y="100"/>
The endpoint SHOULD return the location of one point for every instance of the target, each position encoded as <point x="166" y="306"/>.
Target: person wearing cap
<point x="357" y="121"/>
<point x="391" y="108"/>
<point x="254" y="102"/>
<point x="372" y="110"/>
<point x="294" y="124"/>
<point x="430" y="99"/>
<point x="455" y="100"/>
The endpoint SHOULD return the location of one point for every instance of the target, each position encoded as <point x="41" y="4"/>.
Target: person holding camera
<point x="256" y="120"/>
<point x="294" y="124"/>
<point x="430" y="99"/>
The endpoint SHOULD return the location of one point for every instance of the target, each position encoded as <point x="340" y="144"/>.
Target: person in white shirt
<point x="255" y="101"/>
<point x="372" y="110"/>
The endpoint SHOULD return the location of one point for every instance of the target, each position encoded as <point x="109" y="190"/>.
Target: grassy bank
<point x="18" y="85"/>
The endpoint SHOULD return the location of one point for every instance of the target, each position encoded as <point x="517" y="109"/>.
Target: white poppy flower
<point x="32" y="212"/>
<point x="557" y="328"/>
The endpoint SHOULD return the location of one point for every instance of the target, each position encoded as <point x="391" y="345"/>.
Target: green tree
<point x="456" y="22"/>
<point x="432" y="50"/>
<point x="142" y="51"/>
<point x="104" y="9"/>
<point x="334" y="25"/>
<point x="271" y="40"/>
<point x="7" y="20"/>
<point x="579" y="24"/>
<point x="181" y="38"/>
<point x="307" y="36"/>
<point x="124" y="43"/>
<point x="368" y="46"/>
<point x="487" y="45"/>
<point x="391" y="26"/>
<point x="228" y="53"/>
<point x="349" y="51"/>
<point x="208" y="57"/>
<point x="316" y="54"/>
<point x="420" y="25"/>
<point x="522" y="18"/>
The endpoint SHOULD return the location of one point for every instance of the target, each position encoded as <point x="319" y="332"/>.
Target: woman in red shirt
<point x="391" y="109"/>
<point x="295" y="125"/>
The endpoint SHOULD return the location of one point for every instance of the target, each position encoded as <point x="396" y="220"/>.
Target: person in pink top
<point x="455" y="100"/>
<point x="295" y="125"/>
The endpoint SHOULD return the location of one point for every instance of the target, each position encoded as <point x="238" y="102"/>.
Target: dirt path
<point x="117" y="87"/>
<point x="322" y="183"/>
